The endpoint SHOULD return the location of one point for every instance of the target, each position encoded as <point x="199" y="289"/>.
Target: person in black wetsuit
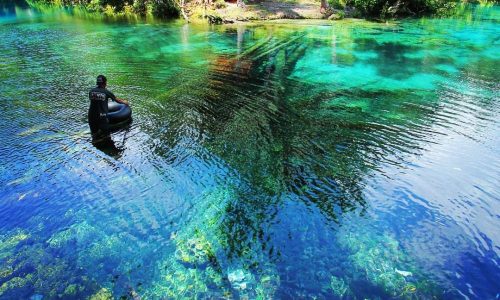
<point x="98" y="110"/>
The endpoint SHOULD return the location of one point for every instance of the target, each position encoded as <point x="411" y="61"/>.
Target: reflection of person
<point x="98" y="110"/>
<point x="108" y="146"/>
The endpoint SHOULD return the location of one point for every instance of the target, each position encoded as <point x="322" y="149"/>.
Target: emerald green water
<point x="346" y="160"/>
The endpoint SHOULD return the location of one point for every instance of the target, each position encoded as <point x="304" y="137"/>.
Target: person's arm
<point x="121" y="101"/>
<point x="114" y="98"/>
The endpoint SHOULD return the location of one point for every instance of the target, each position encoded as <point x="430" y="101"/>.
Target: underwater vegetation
<point x="200" y="266"/>
<point x="34" y="266"/>
<point x="29" y="267"/>
<point x="8" y="247"/>
<point x="378" y="261"/>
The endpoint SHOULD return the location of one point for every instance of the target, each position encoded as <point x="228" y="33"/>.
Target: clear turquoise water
<point x="279" y="160"/>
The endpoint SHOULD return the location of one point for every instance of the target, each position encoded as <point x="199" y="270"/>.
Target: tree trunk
<point x="183" y="13"/>
<point x="324" y="6"/>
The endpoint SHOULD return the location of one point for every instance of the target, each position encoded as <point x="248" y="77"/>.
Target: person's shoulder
<point x="109" y="93"/>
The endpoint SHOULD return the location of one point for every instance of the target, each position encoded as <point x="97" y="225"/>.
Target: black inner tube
<point x="118" y="112"/>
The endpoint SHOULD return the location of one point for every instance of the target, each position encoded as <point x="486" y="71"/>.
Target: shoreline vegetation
<point x="232" y="11"/>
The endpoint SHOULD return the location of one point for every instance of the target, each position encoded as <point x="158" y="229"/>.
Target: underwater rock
<point x="36" y="297"/>
<point x="269" y="284"/>
<point x="403" y="273"/>
<point x="240" y="279"/>
<point x="102" y="294"/>
<point x="236" y="276"/>
<point x="133" y="294"/>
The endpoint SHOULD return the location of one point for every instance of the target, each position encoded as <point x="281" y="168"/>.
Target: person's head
<point x="101" y="81"/>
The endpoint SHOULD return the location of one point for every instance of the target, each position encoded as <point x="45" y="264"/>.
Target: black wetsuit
<point x="98" y="110"/>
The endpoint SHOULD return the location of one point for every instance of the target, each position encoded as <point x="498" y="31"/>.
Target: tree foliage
<point x="383" y="9"/>
<point x="400" y="8"/>
<point x="159" y="8"/>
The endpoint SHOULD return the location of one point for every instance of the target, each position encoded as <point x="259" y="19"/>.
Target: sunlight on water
<point x="276" y="160"/>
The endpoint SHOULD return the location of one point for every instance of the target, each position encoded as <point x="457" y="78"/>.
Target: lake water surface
<point x="281" y="160"/>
